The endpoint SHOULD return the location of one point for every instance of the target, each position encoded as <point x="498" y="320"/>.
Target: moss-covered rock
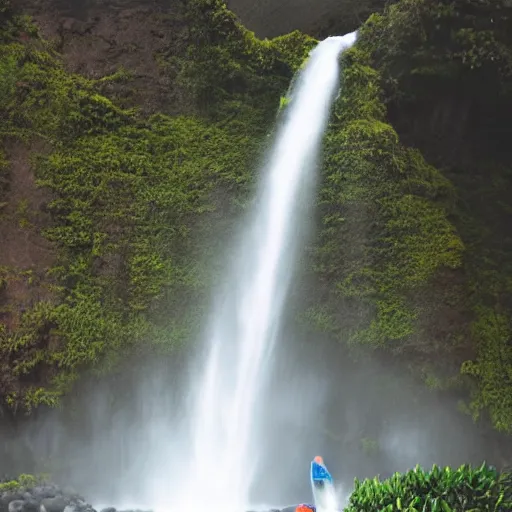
<point x="128" y="198"/>
<point x="414" y="242"/>
<point x="231" y="72"/>
<point x="447" y="78"/>
<point x="413" y="252"/>
<point x="385" y="228"/>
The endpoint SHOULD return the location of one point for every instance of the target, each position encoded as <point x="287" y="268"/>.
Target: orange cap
<point x="303" y="508"/>
<point x="318" y="459"/>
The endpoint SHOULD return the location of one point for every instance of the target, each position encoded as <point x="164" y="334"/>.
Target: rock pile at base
<point x="51" y="498"/>
<point x="46" y="498"/>
<point x="43" y="498"/>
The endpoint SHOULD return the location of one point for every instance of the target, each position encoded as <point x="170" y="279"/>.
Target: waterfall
<point x="220" y="467"/>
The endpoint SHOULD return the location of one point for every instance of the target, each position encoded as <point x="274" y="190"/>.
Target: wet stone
<point x="82" y="506"/>
<point x="16" y="506"/>
<point x="44" y="491"/>
<point x="71" y="493"/>
<point x="57" y="504"/>
<point x="31" y="505"/>
<point x="7" y="497"/>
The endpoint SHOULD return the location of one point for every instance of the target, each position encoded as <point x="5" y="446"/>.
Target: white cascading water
<point x="218" y="472"/>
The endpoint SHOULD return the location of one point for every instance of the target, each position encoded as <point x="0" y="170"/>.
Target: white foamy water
<point x="220" y="467"/>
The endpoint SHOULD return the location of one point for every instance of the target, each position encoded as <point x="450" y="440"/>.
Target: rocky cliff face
<point x="269" y="18"/>
<point x="99" y="38"/>
<point x="417" y="56"/>
<point x="85" y="76"/>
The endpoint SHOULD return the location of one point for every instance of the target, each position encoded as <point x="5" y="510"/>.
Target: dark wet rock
<point x="133" y="510"/>
<point x="45" y="498"/>
<point x="31" y="505"/>
<point x="42" y="492"/>
<point x="81" y="505"/>
<point x="28" y="504"/>
<point x="72" y="493"/>
<point x="25" y="505"/>
<point x="57" y="504"/>
<point x="16" y="506"/>
<point x="137" y="510"/>
<point x="109" y="509"/>
<point x="8" y="496"/>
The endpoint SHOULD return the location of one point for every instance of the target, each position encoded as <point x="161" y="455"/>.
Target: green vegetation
<point x="391" y="205"/>
<point x="413" y="250"/>
<point x="415" y="245"/>
<point x="231" y="72"/>
<point x="23" y="482"/>
<point x="132" y="201"/>
<point x="439" y="490"/>
<point x="492" y="369"/>
<point x="462" y="46"/>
